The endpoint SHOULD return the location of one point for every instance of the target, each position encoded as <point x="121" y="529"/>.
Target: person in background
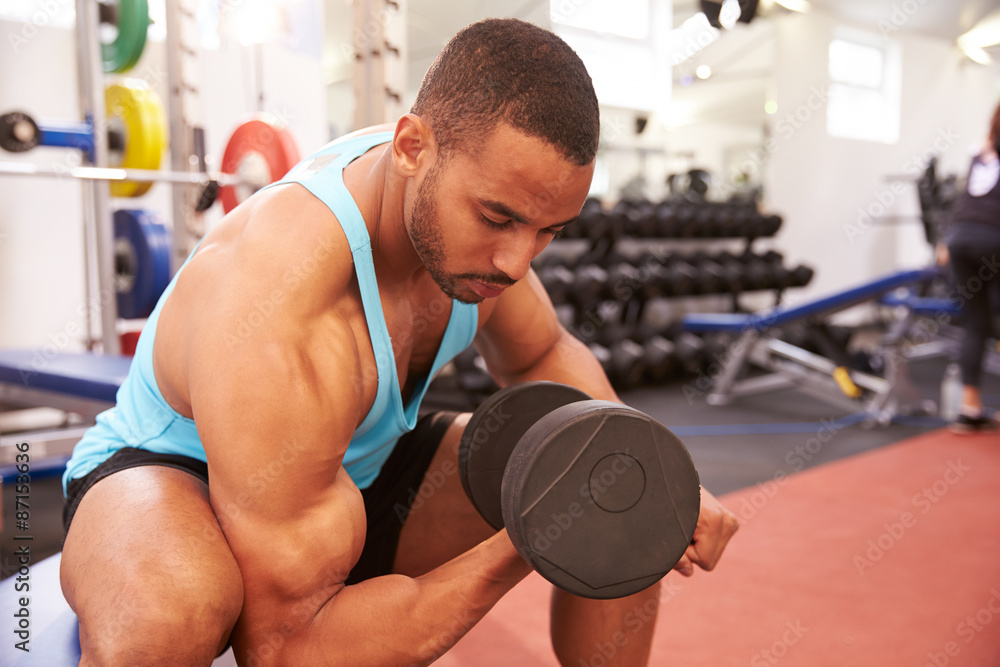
<point x="971" y="242"/>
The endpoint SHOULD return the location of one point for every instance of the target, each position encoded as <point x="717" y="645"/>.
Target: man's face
<point x="477" y="220"/>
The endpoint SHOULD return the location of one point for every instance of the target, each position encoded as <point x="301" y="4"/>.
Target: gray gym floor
<point x="799" y="433"/>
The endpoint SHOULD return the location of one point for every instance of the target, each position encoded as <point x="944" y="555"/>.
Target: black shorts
<point x="387" y="499"/>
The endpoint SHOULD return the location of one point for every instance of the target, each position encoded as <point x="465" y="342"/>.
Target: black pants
<point x="977" y="278"/>
<point x="387" y="499"/>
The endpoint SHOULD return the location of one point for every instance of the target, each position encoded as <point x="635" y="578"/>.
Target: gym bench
<point x="786" y="365"/>
<point x="78" y="383"/>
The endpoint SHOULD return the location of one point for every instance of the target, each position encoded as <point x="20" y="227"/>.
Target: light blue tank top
<point x="142" y="418"/>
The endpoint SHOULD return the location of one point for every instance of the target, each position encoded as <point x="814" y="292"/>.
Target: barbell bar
<point x="116" y="174"/>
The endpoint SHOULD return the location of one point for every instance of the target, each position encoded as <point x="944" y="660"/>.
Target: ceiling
<point x="741" y="63"/>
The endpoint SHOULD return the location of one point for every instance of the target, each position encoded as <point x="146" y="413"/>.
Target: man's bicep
<point x="275" y="426"/>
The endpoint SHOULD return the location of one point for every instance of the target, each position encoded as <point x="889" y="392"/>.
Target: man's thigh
<point x="442" y="522"/>
<point x="145" y="558"/>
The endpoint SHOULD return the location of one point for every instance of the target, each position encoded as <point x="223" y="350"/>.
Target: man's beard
<point x="429" y="245"/>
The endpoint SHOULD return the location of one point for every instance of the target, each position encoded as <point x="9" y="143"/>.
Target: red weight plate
<point x="260" y="138"/>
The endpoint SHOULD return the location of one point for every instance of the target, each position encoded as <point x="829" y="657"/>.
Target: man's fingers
<point x="684" y="565"/>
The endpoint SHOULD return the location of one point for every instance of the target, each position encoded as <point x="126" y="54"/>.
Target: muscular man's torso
<point x="416" y="314"/>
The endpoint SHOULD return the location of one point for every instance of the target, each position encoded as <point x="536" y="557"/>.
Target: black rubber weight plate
<point x="600" y="499"/>
<point x="493" y="432"/>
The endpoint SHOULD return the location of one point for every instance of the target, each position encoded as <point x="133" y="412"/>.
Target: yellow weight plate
<point x="135" y="109"/>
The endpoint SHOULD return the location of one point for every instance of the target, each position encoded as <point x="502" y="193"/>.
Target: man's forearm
<point x="570" y="362"/>
<point x="397" y="620"/>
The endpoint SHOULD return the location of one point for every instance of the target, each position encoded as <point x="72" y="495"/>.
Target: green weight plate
<point x="122" y="54"/>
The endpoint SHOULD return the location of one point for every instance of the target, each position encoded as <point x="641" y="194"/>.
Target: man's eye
<point x="556" y="233"/>
<point x="493" y="224"/>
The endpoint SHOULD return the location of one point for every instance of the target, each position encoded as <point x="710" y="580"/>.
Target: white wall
<point x="819" y="183"/>
<point x="42" y="298"/>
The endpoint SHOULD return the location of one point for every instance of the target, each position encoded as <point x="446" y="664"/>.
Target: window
<point x="618" y="42"/>
<point x="865" y="79"/>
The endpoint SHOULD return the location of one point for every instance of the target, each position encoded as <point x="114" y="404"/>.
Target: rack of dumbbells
<point x="621" y="277"/>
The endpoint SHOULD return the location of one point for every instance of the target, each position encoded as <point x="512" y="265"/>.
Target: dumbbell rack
<point x="605" y="282"/>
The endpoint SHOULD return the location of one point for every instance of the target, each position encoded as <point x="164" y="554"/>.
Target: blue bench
<point x="85" y="376"/>
<point x="786" y="365"/>
<point x="82" y="384"/>
<point x="53" y="629"/>
<point x="736" y="323"/>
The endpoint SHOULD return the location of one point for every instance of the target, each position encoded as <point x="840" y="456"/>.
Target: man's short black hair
<point x="506" y="70"/>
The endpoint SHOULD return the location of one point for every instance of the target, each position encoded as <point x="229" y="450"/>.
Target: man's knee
<point x="172" y="617"/>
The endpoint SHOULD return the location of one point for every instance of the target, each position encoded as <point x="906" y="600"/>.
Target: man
<point x="282" y="372"/>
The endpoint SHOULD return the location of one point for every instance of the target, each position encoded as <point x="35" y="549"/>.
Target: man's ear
<point x="413" y="145"/>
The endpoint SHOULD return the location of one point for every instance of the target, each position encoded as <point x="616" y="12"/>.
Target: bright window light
<point x="622" y="45"/>
<point x="855" y="64"/>
<point x="625" y="18"/>
<point x="865" y="83"/>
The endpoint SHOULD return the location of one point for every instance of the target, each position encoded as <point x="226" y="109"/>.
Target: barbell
<point x="260" y="151"/>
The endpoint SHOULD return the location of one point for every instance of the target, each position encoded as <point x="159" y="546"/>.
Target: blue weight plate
<point x="142" y="258"/>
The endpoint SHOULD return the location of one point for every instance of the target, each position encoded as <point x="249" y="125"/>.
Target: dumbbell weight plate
<point x="495" y="429"/>
<point x="600" y="499"/>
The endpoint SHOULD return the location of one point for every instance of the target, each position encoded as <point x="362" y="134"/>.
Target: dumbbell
<point x="664" y="214"/>
<point x="470" y="377"/>
<point x="628" y="363"/>
<point x="598" y="497"/>
<point x="589" y="285"/>
<point x="689" y="352"/>
<point x="711" y="278"/>
<point x="658" y="359"/>
<point x="680" y="278"/>
<point x="558" y="282"/>
<point x="685" y="223"/>
<point x="800" y="276"/>
<point x="646" y="223"/>
<point x="591" y="215"/>
<point x="769" y="225"/>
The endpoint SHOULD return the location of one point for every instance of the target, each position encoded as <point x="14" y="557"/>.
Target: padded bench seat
<point x="736" y="323"/>
<point x="83" y="375"/>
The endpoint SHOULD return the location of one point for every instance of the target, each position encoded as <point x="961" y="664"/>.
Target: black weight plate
<point x="600" y="499"/>
<point x="493" y="432"/>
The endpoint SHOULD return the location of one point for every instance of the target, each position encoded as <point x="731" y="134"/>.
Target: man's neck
<point x="379" y="193"/>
